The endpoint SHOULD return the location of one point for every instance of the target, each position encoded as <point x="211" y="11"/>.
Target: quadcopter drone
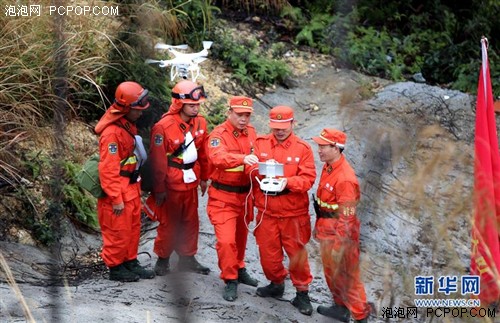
<point x="182" y="64"/>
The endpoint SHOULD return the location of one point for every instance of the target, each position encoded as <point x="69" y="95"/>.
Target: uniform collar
<point x="334" y="165"/>
<point x="127" y="125"/>
<point x="235" y="131"/>
<point x="286" y="143"/>
<point x="185" y="126"/>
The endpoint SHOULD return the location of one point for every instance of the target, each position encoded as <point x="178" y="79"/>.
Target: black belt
<point x="229" y="188"/>
<point x="125" y="173"/>
<point x="328" y="215"/>
<point x="179" y="165"/>
<point x="285" y="191"/>
<point x="134" y="176"/>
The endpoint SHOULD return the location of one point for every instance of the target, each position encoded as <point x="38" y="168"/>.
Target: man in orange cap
<point x="337" y="229"/>
<point x="229" y="208"/>
<point x="179" y="164"/>
<point x="119" y="212"/>
<point x="283" y="220"/>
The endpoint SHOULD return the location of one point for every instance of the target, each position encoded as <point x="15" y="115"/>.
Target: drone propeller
<point x="207" y="44"/>
<point x="198" y="60"/>
<point x="161" y="63"/>
<point x="165" y="46"/>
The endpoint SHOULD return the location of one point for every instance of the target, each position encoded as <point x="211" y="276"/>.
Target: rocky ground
<point x="412" y="147"/>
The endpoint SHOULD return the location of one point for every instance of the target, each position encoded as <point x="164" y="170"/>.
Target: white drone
<point x="183" y="63"/>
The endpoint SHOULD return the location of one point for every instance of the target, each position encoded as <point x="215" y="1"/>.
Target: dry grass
<point x="159" y="21"/>
<point x="27" y="74"/>
<point x="12" y="283"/>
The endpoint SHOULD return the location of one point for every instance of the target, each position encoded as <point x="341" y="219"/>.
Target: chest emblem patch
<point x="158" y="139"/>
<point x="113" y="148"/>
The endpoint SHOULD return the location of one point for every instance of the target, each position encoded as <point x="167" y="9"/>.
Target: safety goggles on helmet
<point x="196" y="94"/>
<point x="142" y="101"/>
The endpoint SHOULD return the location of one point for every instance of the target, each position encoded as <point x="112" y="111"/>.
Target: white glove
<point x="250" y="160"/>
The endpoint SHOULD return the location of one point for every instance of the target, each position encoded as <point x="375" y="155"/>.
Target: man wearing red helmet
<point x="337" y="229"/>
<point x="119" y="212"/>
<point x="229" y="207"/>
<point x="283" y="220"/>
<point x="179" y="163"/>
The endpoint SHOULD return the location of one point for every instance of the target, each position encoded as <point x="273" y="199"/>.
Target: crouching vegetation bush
<point x="78" y="206"/>
<point x="395" y="40"/>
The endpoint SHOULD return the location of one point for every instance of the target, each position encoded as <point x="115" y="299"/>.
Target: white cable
<point x="246" y="201"/>
<point x="251" y="230"/>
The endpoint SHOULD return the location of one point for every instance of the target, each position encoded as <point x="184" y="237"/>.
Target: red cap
<point x="331" y="137"/>
<point x="241" y="104"/>
<point x="280" y="117"/>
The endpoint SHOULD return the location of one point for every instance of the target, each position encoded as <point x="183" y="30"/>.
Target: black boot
<point x="230" y="290"/>
<point x="337" y="312"/>
<point x="189" y="263"/>
<point x="303" y="303"/>
<point x="120" y="273"/>
<point x="271" y="290"/>
<point x="245" y="278"/>
<point x="135" y="267"/>
<point x="162" y="266"/>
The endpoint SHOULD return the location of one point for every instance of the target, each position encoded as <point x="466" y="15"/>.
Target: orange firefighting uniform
<point x="338" y="232"/>
<point x="120" y="233"/>
<point x="229" y="207"/>
<point x="178" y="215"/>
<point x="285" y="218"/>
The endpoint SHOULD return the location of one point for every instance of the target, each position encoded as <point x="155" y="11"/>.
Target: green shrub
<point x="216" y="114"/>
<point x="249" y="64"/>
<point x="81" y="205"/>
<point x="78" y="205"/>
<point x="313" y="33"/>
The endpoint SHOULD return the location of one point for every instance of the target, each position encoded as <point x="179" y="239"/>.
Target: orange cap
<point x="241" y="104"/>
<point x="331" y="137"/>
<point x="280" y="117"/>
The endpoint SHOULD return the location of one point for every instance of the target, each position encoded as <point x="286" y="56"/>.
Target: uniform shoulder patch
<point x="158" y="139"/>
<point x="304" y="143"/>
<point x="262" y="137"/>
<point x="113" y="148"/>
<point x="214" y="142"/>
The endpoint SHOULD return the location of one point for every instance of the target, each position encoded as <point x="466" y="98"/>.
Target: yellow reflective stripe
<point x="129" y="160"/>
<point x="235" y="169"/>
<point x="179" y="157"/>
<point x="327" y="206"/>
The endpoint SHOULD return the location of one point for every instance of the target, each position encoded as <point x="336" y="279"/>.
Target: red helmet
<point x="188" y="92"/>
<point x="131" y="95"/>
